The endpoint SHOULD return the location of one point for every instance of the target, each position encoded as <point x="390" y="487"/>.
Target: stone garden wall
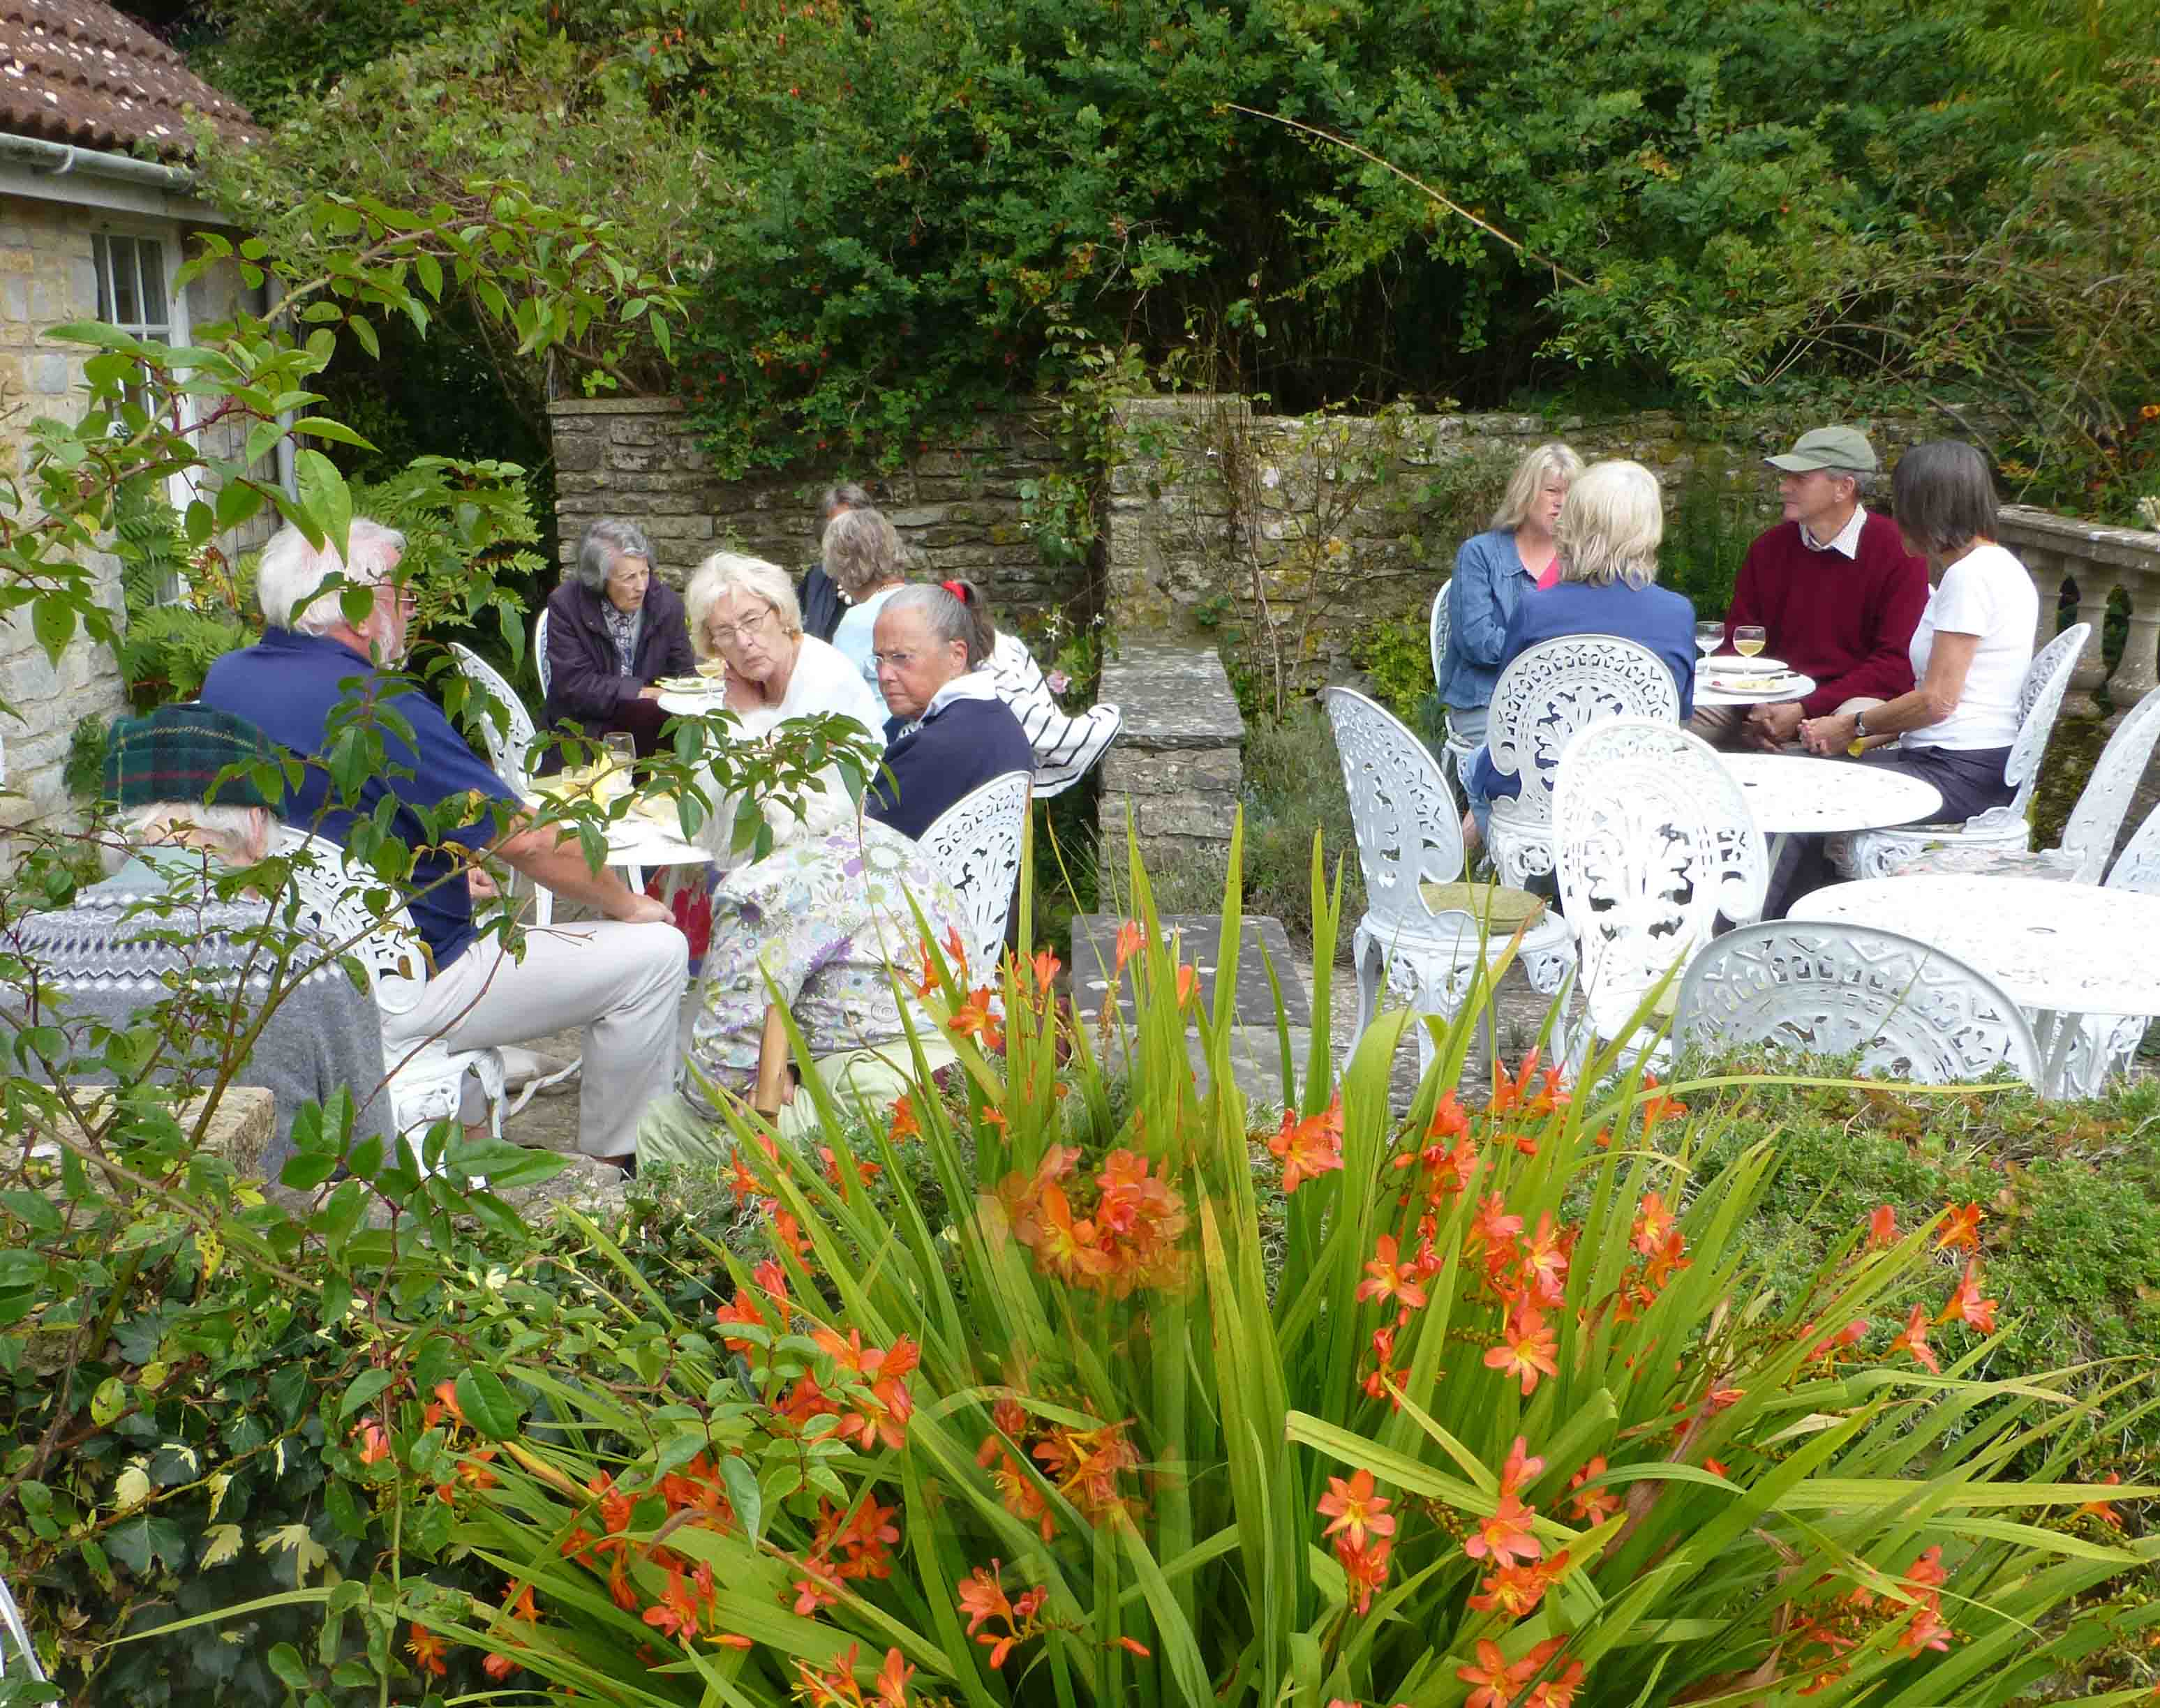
<point x="956" y="507"/>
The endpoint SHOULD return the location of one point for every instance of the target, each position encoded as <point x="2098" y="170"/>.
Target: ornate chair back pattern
<point x="2096" y="820"/>
<point x="509" y="741"/>
<point x="1559" y="688"/>
<point x="976" y="842"/>
<point x="540" y="650"/>
<point x="1908" y="1011"/>
<point x="1652" y="840"/>
<point x="1437" y="629"/>
<point x="342" y="902"/>
<point x="1409" y="827"/>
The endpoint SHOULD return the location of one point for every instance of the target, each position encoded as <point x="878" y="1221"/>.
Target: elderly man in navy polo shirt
<point x="621" y="979"/>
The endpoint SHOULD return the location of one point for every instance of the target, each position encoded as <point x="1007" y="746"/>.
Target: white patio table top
<point x="1801" y="794"/>
<point x="2056" y="949"/>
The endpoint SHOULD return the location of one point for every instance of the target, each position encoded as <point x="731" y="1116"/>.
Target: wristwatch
<point x="1860" y="724"/>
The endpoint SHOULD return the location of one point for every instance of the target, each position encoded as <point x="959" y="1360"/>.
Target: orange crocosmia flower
<point x="1133" y="1645"/>
<point x="1366" y="1567"/>
<point x="788" y="1232"/>
<point x="1450" y="1119"/>
<point x="1914" y="1339"/>
<point x="1311" y="1147"/>
<point x="927" y="982"/>
<point x="615" y="1507"/>
<point x="1961" y="1230"/>
<point x="956" y="954"/>
<point x="1129" y="939"/>
<point x="374" y="1444"/>
<point x="1844" y="1340"/>
<point x="1385" y="1278"/>
<point x="1355" y="1510"/>
<point x="1527" y="1349"/>
<point x="972" y="1019"/>
<point x="983" y="1599"/>
<point x="1966" y="1305"/>
<point x="1505" y="1536"/>
<point x="1653" y="1223"/>
<point x="1716" y="1467"/>
<point x="1592" y="1503"/>
<point x="1882" y="1227"/>
<point x="1044" y="967"/>
<point x="499" y="1667"/>
<point x="1500" y="1685"/>
<point x="905" y="1126"/>
<point x="1519" y="1468"/>
<point x="1545" y="1253"/>
<point x="1508" y="1093"/>
<point x="892" y="1679"/>
<point x="1515" y="1591"/>
<point x="427" y="1649"/>
<point x="2100" y="1509"/>
<point x="675" y="1612"/>
<point x="1492" y="1226"/>
<point x="1188" y="984"/>
<point x="1656" y="1106"/>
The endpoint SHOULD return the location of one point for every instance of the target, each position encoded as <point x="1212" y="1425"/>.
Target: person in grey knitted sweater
<point x="149" y="956"/>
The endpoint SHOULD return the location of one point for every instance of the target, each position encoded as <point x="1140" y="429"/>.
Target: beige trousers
<point x="621" y="983"/>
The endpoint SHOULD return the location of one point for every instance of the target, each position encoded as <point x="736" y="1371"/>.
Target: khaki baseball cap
<point x="1844" y="449"/>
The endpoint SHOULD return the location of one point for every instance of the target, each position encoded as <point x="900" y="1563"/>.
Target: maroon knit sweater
<point x="1846" y="621"/>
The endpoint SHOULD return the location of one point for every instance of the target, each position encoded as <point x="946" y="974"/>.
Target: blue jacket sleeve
<point x="1476" y="614"/>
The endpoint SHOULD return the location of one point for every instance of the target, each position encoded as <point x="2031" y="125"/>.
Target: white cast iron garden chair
<point x="1881" y="854"/>
<point x="19" y="1659"/>
<point x="1654" y="841"/>
<point x="976" y="844"/>
<point x="1541" y="701"/>
<point x="509" y="738"/>
<point x="1426" y="932"/>
<point x="540" y="651"/>
<point x="1459" y="750"/>
<point x="1908" y="1012"/>
<point x="2106" y="1043"/>
<point x="334" y="902"/>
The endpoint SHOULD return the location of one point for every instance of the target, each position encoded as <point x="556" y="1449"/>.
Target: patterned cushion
<point x="1500" y="908"/>
<point x="1066" y="747"/>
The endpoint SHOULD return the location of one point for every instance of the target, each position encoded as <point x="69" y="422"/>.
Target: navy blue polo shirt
<point x="287" y="684"/>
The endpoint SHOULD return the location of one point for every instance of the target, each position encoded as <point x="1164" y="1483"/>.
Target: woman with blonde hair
<point x="1606" y="542"/>
<point x="1492" y="571"/>
<point x="862" y="555"/>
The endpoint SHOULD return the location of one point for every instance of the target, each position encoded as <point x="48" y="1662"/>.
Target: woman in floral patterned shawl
<point x="828" y="920"/>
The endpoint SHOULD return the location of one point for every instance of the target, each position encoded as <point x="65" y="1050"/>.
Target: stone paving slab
<point x="1261" y="943"/>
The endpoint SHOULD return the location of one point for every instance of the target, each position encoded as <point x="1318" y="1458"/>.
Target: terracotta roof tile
<point x="77" y="71"/>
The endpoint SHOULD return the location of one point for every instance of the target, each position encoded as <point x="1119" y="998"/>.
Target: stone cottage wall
<point x="956" y="507"/>
<point x="47" y="278"/>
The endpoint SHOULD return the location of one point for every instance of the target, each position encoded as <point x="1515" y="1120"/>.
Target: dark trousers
<point x="1970" y="781"/>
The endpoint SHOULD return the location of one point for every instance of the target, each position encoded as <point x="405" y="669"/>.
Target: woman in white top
<point x="743" y="612"/>
<point x="862" y="555"/>
<point x="1972" y="648"/>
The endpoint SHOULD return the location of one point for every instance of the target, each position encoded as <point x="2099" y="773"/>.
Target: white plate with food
<point x="1754" y="682"/>
<point x="1737" y="663"/>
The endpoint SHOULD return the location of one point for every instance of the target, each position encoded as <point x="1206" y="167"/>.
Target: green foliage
<point x="186" y="607"/>
<point x="1110" y="1433"/>
<point x="1709" y="525"/>
<point x="1398" y="658"/>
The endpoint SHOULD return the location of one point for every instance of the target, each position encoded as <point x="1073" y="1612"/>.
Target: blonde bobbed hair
<point x="1611" y="525"/>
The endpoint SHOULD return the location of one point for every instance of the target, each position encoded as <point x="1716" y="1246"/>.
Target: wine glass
<point x="1749" y="639"/>
<point x="1709" y="637"/>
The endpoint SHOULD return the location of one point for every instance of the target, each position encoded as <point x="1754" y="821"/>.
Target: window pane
<point x="102" y="248"/>
<point x="126" y="299"/>
<point x="156" y="314"/>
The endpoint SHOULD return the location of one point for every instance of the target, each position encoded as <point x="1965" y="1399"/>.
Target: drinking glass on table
<point x="620" y="748"/>
<point x="1749" y="639"/>
<point x="1709" y="637"/>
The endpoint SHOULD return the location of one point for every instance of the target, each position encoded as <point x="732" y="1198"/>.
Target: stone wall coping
<point x="614" y="406"/>
<point x="1172" y="696"/>
<point x="2125" y="548"/>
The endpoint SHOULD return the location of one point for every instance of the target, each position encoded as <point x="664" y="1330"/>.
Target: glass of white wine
<point x="1749" y="639"/>
<point x="1709" y="637"/>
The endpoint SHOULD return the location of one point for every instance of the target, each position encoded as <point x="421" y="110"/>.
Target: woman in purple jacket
<point x="613" y="631"/>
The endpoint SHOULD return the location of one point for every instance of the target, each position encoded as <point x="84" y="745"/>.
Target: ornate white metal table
<point x="2059" y="950"/>
<point x="1800" y="794"/>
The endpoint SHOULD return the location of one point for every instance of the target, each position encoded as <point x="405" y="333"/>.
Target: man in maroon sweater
<point x="1833" y="587"/>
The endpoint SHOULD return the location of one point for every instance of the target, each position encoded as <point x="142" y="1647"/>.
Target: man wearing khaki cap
<point x="1833" y="588"/>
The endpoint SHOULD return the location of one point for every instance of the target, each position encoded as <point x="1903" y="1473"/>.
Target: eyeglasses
<point x="739" y="633"/>
<point x="898" y="661"/>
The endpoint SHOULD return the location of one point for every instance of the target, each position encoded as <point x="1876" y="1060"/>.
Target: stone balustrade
<point x="2091" y="561"/>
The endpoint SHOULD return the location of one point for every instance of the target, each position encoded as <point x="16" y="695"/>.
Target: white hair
<point x="725" y="572"/>
<point x="288" y="582"/>
<point x="238" y="836"/>
<point x="1610" y="526"/>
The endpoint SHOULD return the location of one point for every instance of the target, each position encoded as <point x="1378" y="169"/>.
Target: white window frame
<point x="182" y="489"/>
